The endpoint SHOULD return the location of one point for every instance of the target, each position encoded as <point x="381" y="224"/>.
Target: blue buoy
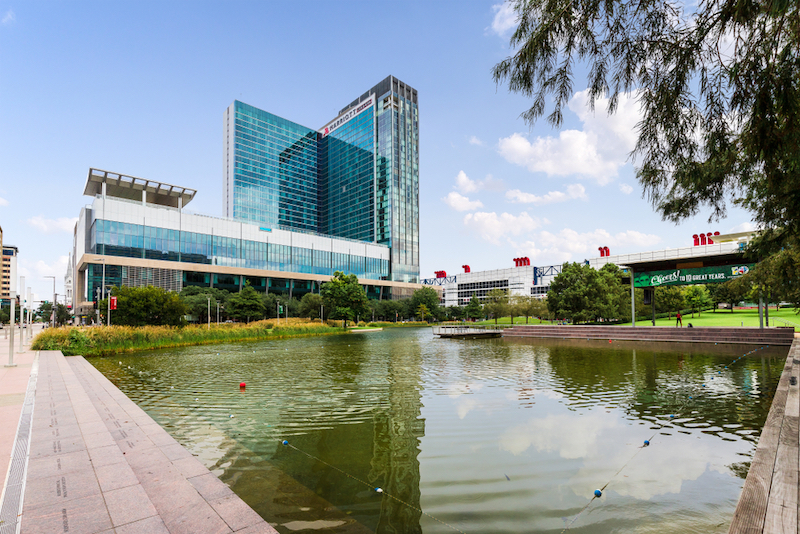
<point x="598" y="493"/>
<point x="285" y="442"/>
<point x="704" y="385"/>
<point x="690" y="396"/>
<point x="671" y="416"/>
<point x="378" y="490"/>
<point x="646" y="442"/>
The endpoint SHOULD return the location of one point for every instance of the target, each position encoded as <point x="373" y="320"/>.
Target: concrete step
<point x="753" y="336"/>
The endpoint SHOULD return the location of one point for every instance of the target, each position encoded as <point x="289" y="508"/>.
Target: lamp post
<point x="53" y="310"/>
<point x="217" y="312"/>
<point x="208" y="315"/>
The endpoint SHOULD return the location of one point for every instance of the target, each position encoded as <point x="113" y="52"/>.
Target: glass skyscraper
<point x="357" y="177"/>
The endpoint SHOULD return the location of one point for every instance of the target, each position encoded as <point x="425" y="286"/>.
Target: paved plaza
<point x="96" y="462"/>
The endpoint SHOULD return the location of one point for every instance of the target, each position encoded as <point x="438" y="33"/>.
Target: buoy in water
<point x="231" y="416"/>
<point x="285" y="442"/>
<point x="378" y="490"/>
<point x="608" y="340"/>
<point x="598" y="493"/>
<point x="242" y="385"/>
<point x="646" y="442"/>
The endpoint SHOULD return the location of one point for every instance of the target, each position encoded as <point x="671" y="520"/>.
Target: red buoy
<point x="609" y="341"/>
<point x="242" y="385"/>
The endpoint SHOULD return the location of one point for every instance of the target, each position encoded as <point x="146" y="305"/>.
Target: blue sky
<point x="140" y="88"/>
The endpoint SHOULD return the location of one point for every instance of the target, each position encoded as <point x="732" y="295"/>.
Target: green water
<point x="478" y="436"/>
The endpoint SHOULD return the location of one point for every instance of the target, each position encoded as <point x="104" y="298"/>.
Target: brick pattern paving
<point x="99" y="463"/>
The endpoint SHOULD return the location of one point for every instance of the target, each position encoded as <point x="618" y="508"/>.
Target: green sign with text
<point x="684" y="277"/>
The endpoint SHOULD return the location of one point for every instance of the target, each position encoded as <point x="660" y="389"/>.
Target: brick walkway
<point x="99" y="463"/>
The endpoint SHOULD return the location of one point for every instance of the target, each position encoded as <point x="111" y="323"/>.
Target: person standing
<point x="678" y="320"/>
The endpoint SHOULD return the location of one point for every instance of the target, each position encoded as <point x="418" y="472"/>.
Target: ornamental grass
<point x="107" y="340"/>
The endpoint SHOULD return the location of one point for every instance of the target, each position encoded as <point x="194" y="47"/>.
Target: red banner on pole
<point x="113" y="303"/>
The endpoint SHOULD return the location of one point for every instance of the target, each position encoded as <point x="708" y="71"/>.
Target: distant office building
<point x="136" y="233"/>
<point x="8" y="271"/>
<point x="356" y="177"/>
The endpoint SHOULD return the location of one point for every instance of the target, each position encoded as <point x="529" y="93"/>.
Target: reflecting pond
<point x="477" y="436"/>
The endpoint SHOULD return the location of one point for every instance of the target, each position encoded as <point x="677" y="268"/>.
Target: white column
<point x="633" y="301"/>
<point x="12" y="310"/>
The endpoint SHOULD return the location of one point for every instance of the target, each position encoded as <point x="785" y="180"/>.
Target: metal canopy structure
<point x="725" y="253"/>
<point x="727" y="250"/>
<point x="137" y="189"/>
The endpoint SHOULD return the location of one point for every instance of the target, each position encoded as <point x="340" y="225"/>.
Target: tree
<point x="246" y="304"/>
<point x="455" y="313"/>
<point x="425" y="295"/>
<point x="196" y="299"/>
<point x="530" y="306"/>
<point x="719" y="87"/>
<point x="345" y="297"/>
<point x="270" y="302"/>
<point x="310" y="305"/>
<point x="198" y="305"/>
<point x="473" y="310"/>
<point x="697" y="297"/>
<point x="422" y="312"/>
<point x="775" y="277"/>
<point x="44" y="312"/>
<point x="580" y="293"/>
<point x="140" y="306"/>
<point x="496" y="303"/>
<point x="670" y="299"/>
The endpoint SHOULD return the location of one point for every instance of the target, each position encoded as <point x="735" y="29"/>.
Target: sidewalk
<point x="13" y="383"/>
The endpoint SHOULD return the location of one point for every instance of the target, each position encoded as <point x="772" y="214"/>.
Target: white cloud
<point x="461" y="203"/>
<point x="596" y="152"/>
<point x="49" y="226"/>
<point x="505" y="18"/>
<point x="475" y="141"/>
<point x="573" y="191"/>
<point x="569" y="245"/>
<point x="625" y="188"/>
<point x="744" y="227"/>
<point x="9" y="17"/>
<point x="35" y="273"/>
<point x="465" y="184"/>
<point x="3" y="202"/>
<point x="569" y="436"/>
<point x="492" y="227"/>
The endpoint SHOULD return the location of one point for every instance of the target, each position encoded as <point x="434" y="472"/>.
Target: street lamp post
<point x="208" y="315"/>
<point x="53" y="307"/>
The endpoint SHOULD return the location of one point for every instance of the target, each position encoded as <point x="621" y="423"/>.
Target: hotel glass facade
<point x="275" y="169"/>
<point x="356" y="177"/>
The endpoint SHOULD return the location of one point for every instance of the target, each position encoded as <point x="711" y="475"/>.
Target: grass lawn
<point x="726" y="318"/>
<point x="707" y="318"/>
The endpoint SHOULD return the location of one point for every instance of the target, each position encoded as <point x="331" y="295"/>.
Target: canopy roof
<point x="130" y="187"/>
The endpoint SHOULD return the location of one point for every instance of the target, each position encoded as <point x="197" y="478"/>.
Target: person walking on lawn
<point x="678" y="320"/>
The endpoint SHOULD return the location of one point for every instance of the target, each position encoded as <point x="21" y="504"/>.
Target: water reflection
<point x="486" y="436"/>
